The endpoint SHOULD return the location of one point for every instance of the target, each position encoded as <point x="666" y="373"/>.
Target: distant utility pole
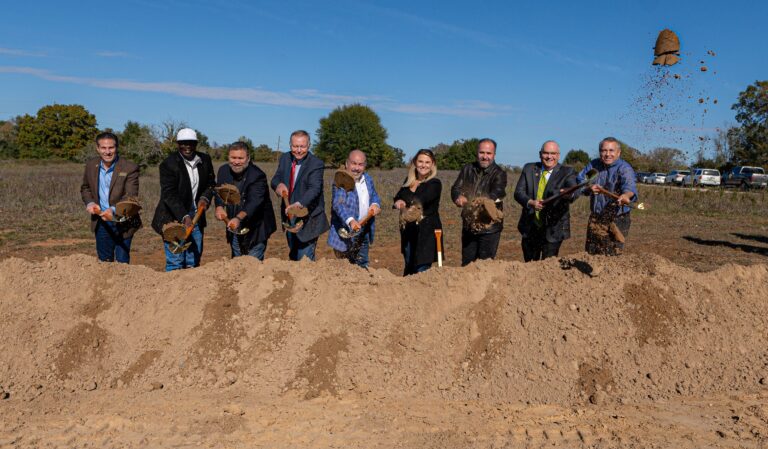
<point x="278" y="143"/>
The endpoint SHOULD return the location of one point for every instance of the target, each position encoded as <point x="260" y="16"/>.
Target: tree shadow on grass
<point x="757" y="238"/>
<point x="740" y="246"/>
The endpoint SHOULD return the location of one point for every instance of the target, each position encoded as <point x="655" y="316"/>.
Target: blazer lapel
<point x="536" y="177"/>
<point x="115" y="174"/>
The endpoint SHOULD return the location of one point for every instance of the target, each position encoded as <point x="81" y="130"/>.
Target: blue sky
<point x="519" y="72"/>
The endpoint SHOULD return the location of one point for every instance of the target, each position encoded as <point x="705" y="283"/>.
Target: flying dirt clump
<point x="667" y="50"/>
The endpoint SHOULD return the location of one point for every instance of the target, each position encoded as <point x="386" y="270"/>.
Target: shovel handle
<point x="195" y="219"/>
<point x="439" y="240"/>
<point x="285" y="204"/>
<point x="610" y="194"/>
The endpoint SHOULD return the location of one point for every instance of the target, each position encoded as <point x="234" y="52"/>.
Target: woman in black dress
<point x="417" y="238"/>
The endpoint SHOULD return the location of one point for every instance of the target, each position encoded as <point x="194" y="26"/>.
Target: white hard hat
<point x="186" y="134"/>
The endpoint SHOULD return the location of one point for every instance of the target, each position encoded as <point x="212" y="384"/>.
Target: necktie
<point x="540" y="195"/>
<point x="290" y="180"/>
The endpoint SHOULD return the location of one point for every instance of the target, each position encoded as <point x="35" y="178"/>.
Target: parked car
<point x="746" y="177"/>
<point x="655" y="178"/>
<point x="676" y="177"/>
<point x="640" y="176"/>
<point x="702" y="177"/>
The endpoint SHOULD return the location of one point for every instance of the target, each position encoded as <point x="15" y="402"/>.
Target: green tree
<point x="456" y="155"/>
<point x="263" y="153"/>
<point x="9" y="148"/>
<point x="58" y="130"/>
<point x="576" y="157"/>
<point x="662" y="159"/>
<point x="352" y="127"/>
<point x="139" y="144"/>
<point x="752" y="113"/>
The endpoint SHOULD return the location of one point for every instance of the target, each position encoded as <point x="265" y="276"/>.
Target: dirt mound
<point x="590" y="329"/>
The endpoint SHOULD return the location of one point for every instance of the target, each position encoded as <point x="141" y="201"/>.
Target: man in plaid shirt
<point x="349" y="208"/>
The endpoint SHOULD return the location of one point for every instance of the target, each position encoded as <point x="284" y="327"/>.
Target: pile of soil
<point x="584" y="330"/>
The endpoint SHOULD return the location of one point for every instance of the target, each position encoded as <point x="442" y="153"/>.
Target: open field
<point x="664" y="347"/>
<point x="697" y="229"/>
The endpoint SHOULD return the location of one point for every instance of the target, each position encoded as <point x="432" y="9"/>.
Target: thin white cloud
<point x="113" y="54"/>
<point x="17" y="52"/>
<point x="300" y="98"/>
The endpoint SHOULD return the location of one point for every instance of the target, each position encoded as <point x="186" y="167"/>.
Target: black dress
<point x="422" y="236"/>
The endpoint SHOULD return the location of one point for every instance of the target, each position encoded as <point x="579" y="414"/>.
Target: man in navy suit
<point x="254" y="212"/>
<point x="349" y="208"/>
<point x="300" y="175"/>
<point x="544" y="226"/>
<point x="186" y="185"/>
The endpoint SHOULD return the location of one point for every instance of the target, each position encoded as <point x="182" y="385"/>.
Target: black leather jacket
<point x="474" y="181"/>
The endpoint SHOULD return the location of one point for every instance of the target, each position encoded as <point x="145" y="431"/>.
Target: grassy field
<point x="40" y="202"/>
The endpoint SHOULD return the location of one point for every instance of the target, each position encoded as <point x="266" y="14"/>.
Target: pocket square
<point x="122" y="174"/>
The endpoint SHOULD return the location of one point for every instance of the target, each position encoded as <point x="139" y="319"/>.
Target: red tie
<point x="290" y="181"/>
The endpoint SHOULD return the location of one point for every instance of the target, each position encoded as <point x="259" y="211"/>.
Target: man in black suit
<point x="300" y="176"/>
<point x="544" y="226"/>
<point x="186" y="185"/>
<point x="254" y="212"/>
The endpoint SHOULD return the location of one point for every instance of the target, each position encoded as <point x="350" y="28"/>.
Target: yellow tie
<point x="540" y="195"/>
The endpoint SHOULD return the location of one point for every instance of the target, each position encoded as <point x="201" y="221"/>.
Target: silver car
<point x="702" y="177"/>
<point x="654" y="178"/>
<point x="676" y="177"/>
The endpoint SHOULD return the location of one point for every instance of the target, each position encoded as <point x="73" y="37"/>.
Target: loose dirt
<point x="630" y="351"/>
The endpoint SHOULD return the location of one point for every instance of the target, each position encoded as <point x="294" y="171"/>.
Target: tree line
<point x="66" y="132"/>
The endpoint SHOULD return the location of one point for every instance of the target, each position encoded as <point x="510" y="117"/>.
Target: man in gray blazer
<point x="300" y="176"/>
<point x="544" y="226"/>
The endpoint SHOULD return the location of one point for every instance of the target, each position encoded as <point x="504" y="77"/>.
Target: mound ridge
<point x="567" y="331"/>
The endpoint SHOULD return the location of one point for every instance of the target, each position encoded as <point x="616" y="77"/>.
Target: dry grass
<point x="41" y="201"/>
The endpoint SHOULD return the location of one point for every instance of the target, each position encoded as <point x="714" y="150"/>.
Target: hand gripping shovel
<point x="181" y="245"/>
<point x="351" y="233"/>
<point x="300" y="212"/>
<point x="591" y="176"/>
<point x="638" y="206"/>
<point x="230" y="195"/>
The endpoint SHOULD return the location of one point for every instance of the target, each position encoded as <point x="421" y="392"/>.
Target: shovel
<point x="229" y="194"/>
<point x="348" y="233"/>
<point x="639" y="206"/>
<point x="590" y="178"/>
<point x="287" y="226"/>
<point x="438" y="235"/>
<point x="182" y="245"/>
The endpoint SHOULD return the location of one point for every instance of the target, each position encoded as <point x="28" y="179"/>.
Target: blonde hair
<point x="412" y="168"/>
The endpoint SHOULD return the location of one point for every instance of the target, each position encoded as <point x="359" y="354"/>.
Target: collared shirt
<point x="194" y="177"/>
<point x="363" y="198"/>
<point x="618" y="178"/>
<point x="105" y="181"/>
<point x="296" y="170"/>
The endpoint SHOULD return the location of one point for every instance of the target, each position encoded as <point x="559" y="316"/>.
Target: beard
<point x="238" y="170"/>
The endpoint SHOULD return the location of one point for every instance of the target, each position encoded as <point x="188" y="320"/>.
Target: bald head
<point x="549" y="154"/>
<point x="356" y="162"/>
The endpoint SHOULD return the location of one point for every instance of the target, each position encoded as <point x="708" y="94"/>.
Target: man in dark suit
<point x="544" y="226"/>
<point x="186" y="185"/>
<point x="109" y="179"/>
<point x="254" y="212"/>
<point x="300" y="176"/>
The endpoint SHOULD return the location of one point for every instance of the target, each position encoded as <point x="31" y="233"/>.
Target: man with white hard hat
<point x="186" y="186"/>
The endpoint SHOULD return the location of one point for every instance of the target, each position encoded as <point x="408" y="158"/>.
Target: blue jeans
<point x="256" y="251"/>
<point x="299" y="249"/>
<point x="361" y="258"/>
<point x="410" y="265"/>
<point x="110" y="245"/>
<point x="185" y="259"/>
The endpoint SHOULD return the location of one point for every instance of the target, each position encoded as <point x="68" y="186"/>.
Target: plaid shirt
<point x="345" y="205"/>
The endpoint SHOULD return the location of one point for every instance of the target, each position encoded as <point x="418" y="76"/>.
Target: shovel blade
<point x="178" y="247"/>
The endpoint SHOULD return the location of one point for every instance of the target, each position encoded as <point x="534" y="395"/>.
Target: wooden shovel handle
<point x="195" y="219"/>
<point x="438" y="235"/>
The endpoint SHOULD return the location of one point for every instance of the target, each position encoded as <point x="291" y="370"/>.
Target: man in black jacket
<point x="480" y="179"/>
<point x="186" y="185"/>
<point x="254" y="212"/>
<point x="544" y="226"/>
